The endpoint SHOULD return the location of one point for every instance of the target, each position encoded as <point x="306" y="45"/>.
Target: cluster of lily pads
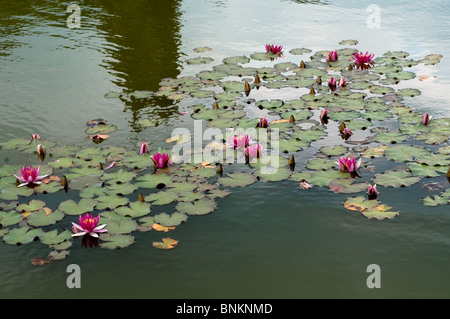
<point x="113" y="191"/>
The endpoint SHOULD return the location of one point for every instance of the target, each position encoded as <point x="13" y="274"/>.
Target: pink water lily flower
<point x="332" y="83"/>
<point x="324" y="116"/>
<point x="346" y="133"/>
<point x="372" y="192"/>
<point x="161" y="160"/>
<point x="426" y="119"/>
<point x="88" y="225"/>
<point x="264" y="123"/>
<point x="144" y="148"/>
<point x="342" y="82"/>
<point x="253" y="151"/>
<point x="349" y="165"/>
<point x="40" y="149"/>
<point x="332" y="56"/>
<point x="275" y="49"/>
<point x="240" y="141"/>
<point x="30" y="175"/>
<point x="35" y="137"/>
<point x="362" y="58"/>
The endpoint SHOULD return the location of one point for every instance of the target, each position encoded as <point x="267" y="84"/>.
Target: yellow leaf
<point x="167" y="243"/>
<point x="160" y="227"/>
<point x="279" y="121"/>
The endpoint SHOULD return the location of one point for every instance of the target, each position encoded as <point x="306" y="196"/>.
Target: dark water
<point x="263" y="241"/>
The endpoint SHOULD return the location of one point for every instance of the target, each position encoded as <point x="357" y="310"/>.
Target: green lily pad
<point x="120" y="176"/>
<point x="324" y="178"/>
<point x="153" y="180"/>
<point x="396" y="179"/>
<point x="110" y="241"/>
<point x="111" y="202"/>
<point x="236" y="59"/>
<point x="82" y="182"/>
<point x="117" y="224"/>
<point x="70" y="207"/>
<point x="162" y="198"/>
<point x="320" y="164"/>
<point x="101" y="129"/>
<point x="200" y="207"/>
<point x="53" y="238"/>
<point x="266" y="174"/>
<point x="333" y="151"/>
<point x="405" y="153"/>
<point x="40" y="218"/>
<point x="236" y="179"/>
<point x="199" y="60"/>
<point x="380" y="212"/>
<point x="32" y="206"/>
<point x="299" y="51"/>
<point x="136" y="209"/>
<point x="22" y="235"/>
<point x="9" y="218"/>
<point x="390" y="137"/>
<point x="425" y="170"/>
<point x="167" y="220"/>
<point x="347" y="186"/>
<point x="13" y="192"/>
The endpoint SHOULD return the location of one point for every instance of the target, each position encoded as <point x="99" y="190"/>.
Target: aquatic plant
<point x="161" y="160"/>
<point x="29" y="176"/>
<point x="87" y="225"/>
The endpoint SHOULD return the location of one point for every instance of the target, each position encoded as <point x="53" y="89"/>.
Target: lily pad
<point x="396" y="179"/>
<point x="167" y="220"/>
<point x="237" y="179"/>
<point x="22" y="235"/>
<point x="136" y="209"/>
<point x="53" y="238"/>
<point x="110" y="241"/>
<point x="200" y="207"/>
<point x="70" y="207"/>
<point x="42" y="218"/>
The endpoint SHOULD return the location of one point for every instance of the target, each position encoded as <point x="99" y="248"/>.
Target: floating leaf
<point x="360" y="203"/>
<point x="167" y="243"/>
<point x="70" y="207"/>
<point x="32" y="206"/>
<point x="109" y="241"/>
<point x="347" y="186"/>
<point x="405" y="153"/>
<point x="396" y="179"/>
<point x="136" y="209"/>
<point x="42" y="218"/>
<point x="167" y="220"/>
<point x="200" y="207"/>
<point x="53" y="238"/>
<point x="237" y="179"/>
<point x="380" y="212"/>
<point x="22" y="235"/>
<point x="9" y="218"/>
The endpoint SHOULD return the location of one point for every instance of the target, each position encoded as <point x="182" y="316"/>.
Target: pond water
<point x="266" y="240"/>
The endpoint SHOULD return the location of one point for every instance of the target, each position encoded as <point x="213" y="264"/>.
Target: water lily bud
<point x="64" y="181"/>
<point x="312" y="91"/>
<point x="302" y="65"/>
<point x="216" y="106"/>
<point x="141" y="197"/>
<point x="100" y="166"/>
<point x="41" y="150"/>
<point x="319" y="80"/>
<point x="246" y="86"/>
<point x="291" y="160"/>
<point x="219" y="169"/>
<point x="257" y="79"/>
<point x="292" y="119"/>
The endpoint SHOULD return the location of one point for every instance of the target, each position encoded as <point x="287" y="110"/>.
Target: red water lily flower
<point x="426" y="119"/>
<point x="144" y="148"/>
